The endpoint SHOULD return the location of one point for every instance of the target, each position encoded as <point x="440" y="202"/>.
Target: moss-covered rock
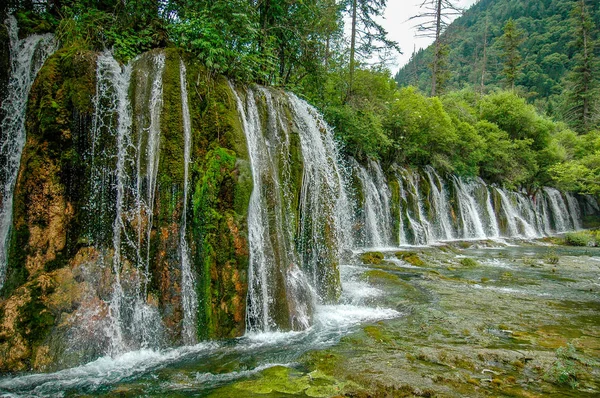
<point x="221" y="243"/>
<point x="49" y="189"/>
<point x="222" y="185"/>
<point x="4" y="62"/>
<point x="372" y="258"/>
<point x="411" y="258"/>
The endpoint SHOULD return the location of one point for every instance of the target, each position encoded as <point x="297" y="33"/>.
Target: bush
<point x="582" y="238"/>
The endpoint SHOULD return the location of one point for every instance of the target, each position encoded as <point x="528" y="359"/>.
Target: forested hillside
<point x="547" y="50"/>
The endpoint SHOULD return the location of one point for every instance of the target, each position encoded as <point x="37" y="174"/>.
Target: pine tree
<point x="510" y="42"/>
<point x="582" y="93"/>
<point x="367" y="37"/>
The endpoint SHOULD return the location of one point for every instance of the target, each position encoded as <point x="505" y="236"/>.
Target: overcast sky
<point x="402" y="31"/>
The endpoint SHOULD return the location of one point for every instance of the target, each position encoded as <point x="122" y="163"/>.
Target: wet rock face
<point x="55" y="310"/>
<point x="4" y="60"/>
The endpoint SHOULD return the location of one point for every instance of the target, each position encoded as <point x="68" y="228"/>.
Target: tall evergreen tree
<point x="582" y="92"/>
<point x="367" y="37"/>
<point x="510" y="42"/>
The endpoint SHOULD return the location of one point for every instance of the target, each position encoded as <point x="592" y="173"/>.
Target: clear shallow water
<point x="201" y="368"/>
<point x="511" y="271"/>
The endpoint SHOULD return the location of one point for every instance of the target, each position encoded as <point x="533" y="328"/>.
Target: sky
<point x="402" y="31"/>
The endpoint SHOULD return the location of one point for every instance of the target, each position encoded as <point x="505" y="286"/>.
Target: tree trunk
<point x="484" y="62"/>
<point x="352" y="47"/>
<point x="438" y="27"/>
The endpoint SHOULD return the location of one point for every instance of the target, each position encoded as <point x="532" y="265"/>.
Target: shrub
<point x="581" y="238"/>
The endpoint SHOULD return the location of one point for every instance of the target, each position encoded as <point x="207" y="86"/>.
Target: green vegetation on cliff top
<point x="498" y="136"/>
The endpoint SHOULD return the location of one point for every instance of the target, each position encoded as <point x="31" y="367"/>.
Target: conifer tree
<point x="367" y="37"/>
<point x="510" y="42"/>
<point x="582" y="92"/>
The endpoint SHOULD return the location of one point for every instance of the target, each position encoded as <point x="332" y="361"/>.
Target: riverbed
<point x="471" y="318"/>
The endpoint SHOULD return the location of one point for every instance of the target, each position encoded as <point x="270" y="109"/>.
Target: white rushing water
<point x="261" y="349"/>
<point x="560" y="213"/>
<point x="116" y="166"/>
<point x="189" y="298"/>
<point x="376" y="205"/>
<point x="290" y="269"/>
<point x="440" y="205"/>
<point x="432" y="210"/>
<point x="26" y="58"/>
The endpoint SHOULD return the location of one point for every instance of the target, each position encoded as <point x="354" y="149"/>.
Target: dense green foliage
<point x="549" y="51"/>
<point x="300" y="45"/>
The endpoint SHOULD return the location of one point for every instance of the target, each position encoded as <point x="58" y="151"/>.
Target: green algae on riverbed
<point x="531" y="330"/>
<point x="512" y="325"/>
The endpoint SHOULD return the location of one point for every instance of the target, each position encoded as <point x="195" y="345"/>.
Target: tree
<point x="582" y="94"/>
<point x="510" y="42"/>
<point x="367" y="37"/>
<point x="437" y="15"/>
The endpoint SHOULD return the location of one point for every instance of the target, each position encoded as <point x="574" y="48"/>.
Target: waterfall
<point x="323" y="196"/>
<point x="440" y="205"/>
<point x="376" y="204"/>
<point x="468" y="209"/>
<point x="112" y="116"/>
<point x="493" y="228"/>
<point x="430" y="210"/>
<point x="560" y="212"/>
<point x="132" y="322"/>
<point x="26" y="58"/>
<point x="574" y="210"/>
<point x="293" y="256"/>
<point x="543" y="214"/>
<point x="188" y="290"/>
<point x="418" y="221"/>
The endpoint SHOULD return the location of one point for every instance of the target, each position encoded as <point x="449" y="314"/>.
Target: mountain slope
<point x="547" y="55"/>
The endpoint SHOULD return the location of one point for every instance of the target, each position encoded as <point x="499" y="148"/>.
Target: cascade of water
<point x="493" y="228"/>
<point x="527" y="217"/>
<point x="113" y="83"/>
<point x="542" y="213"/>
<point x="377" y="218"/>
<point x="323" y="197"/>
<point x="189" y="298"/>
<point x="262" y="265"/>
<point x="385" y="198"/>
<point x="509" y="212"/>
<point x="418" y="221"/>
<point x="132" y="322"/>
<point x="296" y="264"/>
<point x="152" y="131"/>
<point x="559" y="210"/>
<point x="440" y="206"/>
<point x="272" y="255"/>
<point x="26" y="58"/>
<point x="300" y="294"/>
<point x="402" y="239"/>
<point x="469" y="212"/>
<point x="574" y="210"/>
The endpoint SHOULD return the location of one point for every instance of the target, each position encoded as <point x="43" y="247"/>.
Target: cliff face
<point x="96" y="247"/>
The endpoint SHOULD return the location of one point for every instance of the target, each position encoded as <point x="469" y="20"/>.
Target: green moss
<point x="372" y="258"/>
<point x="221" y="245"/>
<point x="381" y="275"/>
<point x="411" y="258"/>
<point x="582" y="238"/>
<point x="469" y="262"/>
